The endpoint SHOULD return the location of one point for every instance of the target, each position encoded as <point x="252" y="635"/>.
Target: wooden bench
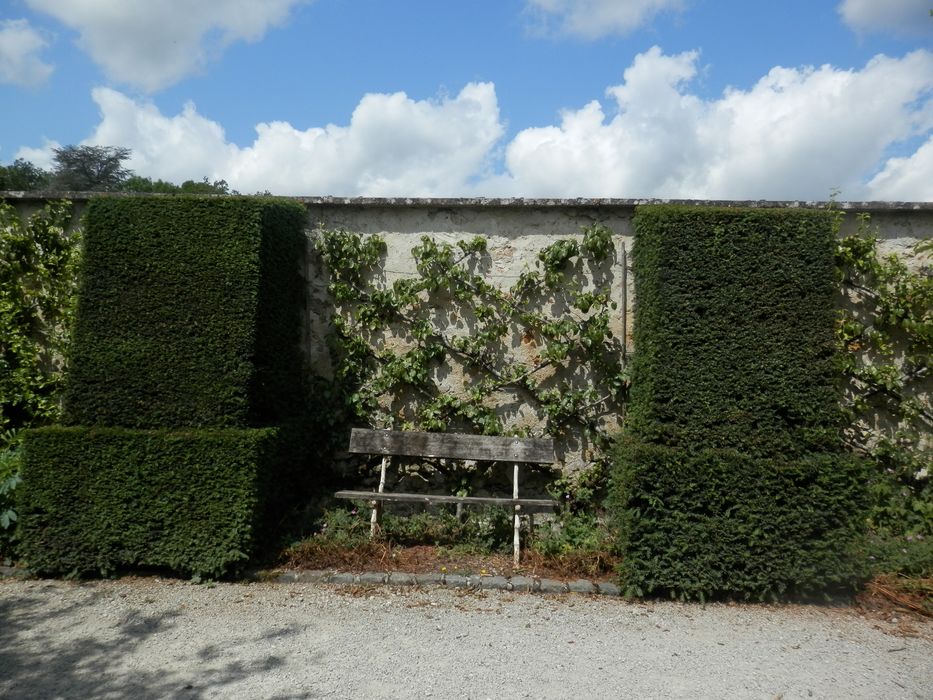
<point x="480" y="448"/>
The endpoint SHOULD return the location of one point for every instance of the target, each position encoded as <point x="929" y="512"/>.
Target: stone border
<point x="517" y="584"/>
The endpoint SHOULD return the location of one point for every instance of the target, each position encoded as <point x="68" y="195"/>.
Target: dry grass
<point x="319" y="553"/>
<point x="899" y="594"/>
<point x="591" y="565"/>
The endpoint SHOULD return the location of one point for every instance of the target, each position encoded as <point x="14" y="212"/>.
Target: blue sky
<point x="622" y="98"/>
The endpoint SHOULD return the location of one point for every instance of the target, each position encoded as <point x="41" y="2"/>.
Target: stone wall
<point x="518" y="228"/>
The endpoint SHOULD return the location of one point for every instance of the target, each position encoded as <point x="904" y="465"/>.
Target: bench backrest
<point x="482" y="448"/>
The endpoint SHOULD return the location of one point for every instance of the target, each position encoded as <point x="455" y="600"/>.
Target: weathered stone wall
<point x="517" y="229"/>
<point x="515" y="234"/>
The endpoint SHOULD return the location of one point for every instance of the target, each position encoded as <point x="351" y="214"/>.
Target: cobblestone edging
<point x="520" y="584"/>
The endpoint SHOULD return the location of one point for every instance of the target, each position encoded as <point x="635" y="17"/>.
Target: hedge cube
<point x="186" y="393"/>
<point x="713" y="523"/>
<point x="733" y="331"/>
<point x="730" y="479"/>
<point x="188" y="313"/>
<point x="98" y="500"/>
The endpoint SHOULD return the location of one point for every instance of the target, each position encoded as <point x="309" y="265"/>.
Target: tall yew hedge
<point x="185" y="397"/>
<point x="729" y="478"/>
<point x="187" y="313"/>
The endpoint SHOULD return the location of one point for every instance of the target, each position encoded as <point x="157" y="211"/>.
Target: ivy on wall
<point x="38" y="273"/>
<point x="884" y="335"/>
<point x="543" y="342"/>
<point x="38" y="276"/>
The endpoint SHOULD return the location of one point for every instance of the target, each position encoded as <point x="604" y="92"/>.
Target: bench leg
<point x="376" y="516"/>
<point x="516" y="527"/>
<point x="516" y="538"/>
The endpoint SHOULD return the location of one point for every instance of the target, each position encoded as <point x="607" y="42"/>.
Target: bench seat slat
<point x="429" y="498"/>
<point x="452" y="446"/>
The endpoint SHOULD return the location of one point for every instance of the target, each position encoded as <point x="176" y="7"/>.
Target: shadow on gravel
<point x="37" y="662"/>
<point x="42" y="656"/>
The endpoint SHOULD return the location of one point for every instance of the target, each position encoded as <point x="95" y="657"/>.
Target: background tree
<point x="22" y="175"/>
<point x="97" y="169"/>
<point x="205" y="186"/>
<point x="137" y="183"/>
<point x="90" y="168"/>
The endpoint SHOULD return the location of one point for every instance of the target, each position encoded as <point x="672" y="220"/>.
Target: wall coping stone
<point x="502" y="202"/>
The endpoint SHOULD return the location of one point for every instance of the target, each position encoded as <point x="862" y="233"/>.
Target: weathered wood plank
<point x="429" y="498"/>
<point x="452" y="446"/>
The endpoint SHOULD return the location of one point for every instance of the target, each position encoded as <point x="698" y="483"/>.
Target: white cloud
<point x="20" y="45"/>
<point x="797" y="133"/>
<point x="903" y="17"/>
<point x="593" y="19"/>
<point x="43" y="157"/>
<point x="393" y="145"/>
<point x="155" y="43"/>
<point x="183" y="147"/>
<point x="907" y="179"/>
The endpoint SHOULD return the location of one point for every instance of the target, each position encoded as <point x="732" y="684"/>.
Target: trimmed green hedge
<point x="186" y="388"/>
<point x="102" y="499"/>
<point x="734" y="329"/>
<point x="188" y="313"/>
<point x="729" y="480"/>
<point x="718" y="523"/>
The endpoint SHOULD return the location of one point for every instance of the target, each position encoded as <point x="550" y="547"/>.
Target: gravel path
<point x="154" y="638"/>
